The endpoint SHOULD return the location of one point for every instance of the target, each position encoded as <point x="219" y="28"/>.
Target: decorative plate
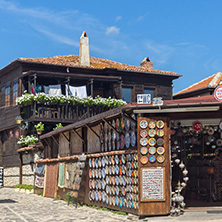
<point x="97" y="173"/>
<point x="117" y="144"/>
<point x="99" y="184"/>
<point x="103" y="161"/>
<point x="97" y="195"/>
<point x="143" y="141"/>
<point x="113" y="190"/>
<point x="117" y="180"/>
<point x="122" y="141"/>
<point x="129" y="173"/>
<point x="93" y="195"/>
<point x="113" y="136"/>
<point x="113" y="181"/>
<point x="114" y="145"/>
<point x="160" y="159"/>
<point x="143" y="124"/>
<point x="127" y="124"/>
<point x="103" y="196"/>
<point x="120" y="202"/>
<point x="90" y="173"/>
<point x="117" y="169"/>
<point x="144" y="150"/>
<point x="143" y="133"/>
<point x="120" y="170"/>
<point x="133" y="138"/>
<point x="116" y="159"/>
<point x="93" y="173"/>
<point x="96" y="162"/>
<point x="107" y="199"/>
<point x="123" y="159"/>
<point x="113" y="170"/>
<point x="93" y="184"/>
<point x="129" y="165"/>
<point x="210" y="131"/>
<point x="152" y="159"/>
<point x="117" y="124"/>
<point x="107" y="170"/>
<point x="144" y="160"/>
<point x="110" y="170"/>
<point x="100" y="196"/>
<point x="90" y="184"/>
<point x="117" y="200"/>
<point x="160" y="141"/>
<point x="109" y="136"/>
<point x="110" y="146"/>
<point x="112" y="160"/>
<point x="110" y="200"/>
<point x="124" y="181"/>
<point x="100" y="162"/>
<point x="152" y="141"/>
<point x="103" y="173"/>
<point x="152" y="150"/>
<point x="160" y="133"/>
<point x="124" y="170"/>
<point x="129" y="157"/>
<point x="160" y="150"/>
<point x="90" y="162"/>
<point x="152" y="124"/>
<point x="113" y="123"/>
<point x="160" y="124"/>
<point x="152" y="132"/>
<point x="122" y="123"/>
<point x="100" y="173"/>
<point x="127" y="139"/>
<point x="90" y="196"/>
<point x="105" y="144"/>
<point x="93" y="162"/>
<point x="105" y="137"/>
<point x="117" y="190"/>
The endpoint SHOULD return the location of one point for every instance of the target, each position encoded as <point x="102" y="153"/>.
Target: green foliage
<point x="39" y="127"/>
<point x="24" y="186"/>
<point x="58" y="126"/>
<point x="58" y="198"/>
<point x="27" y="140"/>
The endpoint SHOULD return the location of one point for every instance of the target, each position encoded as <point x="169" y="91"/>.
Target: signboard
<point x="197" y="126"/>
<point x="143" y="98"/>
<point x="152" y="184"/>
<point x="1" y="176"/>
<point x="218" y="93"/>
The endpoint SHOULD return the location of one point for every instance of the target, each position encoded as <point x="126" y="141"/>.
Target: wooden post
<point x="20" y="168"/>
<point x="91" y="87"/>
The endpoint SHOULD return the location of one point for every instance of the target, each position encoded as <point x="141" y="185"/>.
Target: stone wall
<point x="27" y="175"/>
<point x="11" y="176"/>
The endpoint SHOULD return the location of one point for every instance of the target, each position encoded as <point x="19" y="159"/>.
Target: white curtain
<point x="53" y="90"/>
<point x="79" y="91"/>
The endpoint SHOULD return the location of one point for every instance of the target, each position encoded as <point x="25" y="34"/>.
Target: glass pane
<point x="126" y="94"/>
<point x="149" y="91"/>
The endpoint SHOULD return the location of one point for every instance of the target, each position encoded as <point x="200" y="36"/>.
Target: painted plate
<point x="93" y="173"/>
<point x="103" y="161"/>
<point x="123" y="159"/>
<point x="93" y="184"/>
<point x="90" y="173"/>
<point x="90" y="162"/>
<point x="133" y="138"/>
<point x="160" y="150"/>
<point x="93" y="195"/>
<point x="122" y="123"/>
<point x="114" y="145"/>
<point x="160" y="141"/>
<point x="90" y="196"/>
<point x="152" y="150"/>
<point x="152" y="141"/>
<point x="116" y="159"/>
<point x="127" y="124"/>
<point x="152" y="124"/>
<point x="124" y="170"/>
<point x="113" y="136"/>
<point x="129" y="157"/>
<point x="160" y="133"/>
<point x="112" y="160"/>
<point x="110" y="170"/>
<point x="93" y="162"/>
<point x="103" y="173"/>
<point x="160" y="159"/>
<point x="152" y="132"/>
<point x="96" y="162"/>
<point x="117" y="180"/>
<point x="120" y="202"/>
<point x="144" y="160"/>
<point x="107" y="170"/>
<point x="117" y="200"/>
<point x="210" y="131"/>
<point x="152" y="159"/>
<point x="117" y="190"/>
<point x="117" y="169"/>
<point x="96" y="195"/>
<point x="122" y="141"/>
<point x="113" y="181"/>
<point x="113" y="170"/>
<point x="144" y="150"/>
<point x="127" y="140"/>
<point x="100" y="162"/>
<point x="143" y="124"/>
<point x="160" y="124"/>
<point x="90" y="184"/>
<point x="144" y="141"/>
<point x="143" y="133"/>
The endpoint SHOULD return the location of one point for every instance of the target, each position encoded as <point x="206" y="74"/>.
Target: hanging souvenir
<point x="117" y="169"/>
<point x="144" y="160"/>
<point x="113" y="135"/>
<point x="152" y="141"/>
<point x="160" y="150"/>
<point x="152" y="150"/>
<point x="160" y="133"/>
<point x="107" y="180"/>
<point x="113" y="169"/>
<point x="122" y="141"/>
<point x="160" y="124"/>
<point x="106" y="137"/>
<point x="144" y="150"/>
<point x="93" y="162"/>
<point x="143" y="133"/>
<point x="109" y="136"/>
<point x="124" y="181"/>
<point x="99" y="162"/>
<point x="127" y="140"/>
<point x="152" y="124"/>
<point x="96" y="195"/>
<point x="133" y="138"/>
<point x="123" y="158"/>
<point x="110" y="170"/>
<point x="160" y="159"/>
<point x="90" y="162"/>
<point x="210" y="131"/>
<point x="90" y="184"/>
<point x="160" y="141"/>
<point x="152" y="132"/>
<point x="116" y="159"/>
<point x="143" y="124"/>
<point x="143" y="141"/>
<point x="100" y="196"/>
<point x="93" y="184"/>
<point x="117" y="124"/>
<point x="127" y="124"/>
<point x="100" y="173"/>
<point x="112" y="160"/>
<point x="152" y="158"/>
<point x="90" y="173"/>
<point x="120" y="202"/>
<point x="122" y="123"/>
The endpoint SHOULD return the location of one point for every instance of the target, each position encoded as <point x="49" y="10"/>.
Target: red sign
<point x="197" y="126"/>
<point x="218" y="93"/>
<point x="17" y="134"/>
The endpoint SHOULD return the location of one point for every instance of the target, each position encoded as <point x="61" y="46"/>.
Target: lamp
<point x="18" y="120"/>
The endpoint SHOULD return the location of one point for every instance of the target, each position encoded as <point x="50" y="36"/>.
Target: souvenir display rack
<point x="154" y="169"/>
<point x="113" y="180"/>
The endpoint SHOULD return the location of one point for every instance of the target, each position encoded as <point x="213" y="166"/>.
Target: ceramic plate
<point x="120" y="202"/>
<point x="113" y="181"/>
<point x="122" y="123"/>
<point x="143" y="124"/>
<point x="144" y="160"/>
<point x="90" y="173"/>
<point x="96" y="195"/>
<point x="160" y="150"/>
<point x="210" y="131"/>
<point x="122" y="141"/>
<point x="152" y="159"/>
<point x="113" y="170"/>
<point x="160" y="133"/>
<point x="103" y="161"/>
<point x="124" y="170"/>
<point x="152" y="150"/>
<point x="144" y="141"/>
<point x="93" y="162"/>
<point x="152" y="132"/>
<point x="116" y="159"/>
<point x="103" y="173"/>
<point x="152" y="124"/>
<point x="129" y="157"/>
<point x="160" y="124"/>
<point x="133" y="138"/>
<point x="144" y="150"/>
<point x="127" y="124"/>
<point x="110" y="170"/>
<point x="117" y="200"/>
<point x="90" y="184"/>
<point x="113" y="136"/>
<point x="100" y="162"/>
<point x="127" y="140"/>
<point x="160" y="141"/>
<point x="112" y="160"/>
<point x="117" y="190"/>
<point x="100" y="173"/>
<point x="96" y="162"/>
<point x="90" y="162"/>
<point x="160" y="159"/>
<point x="123" y="159"/>
<point x="152" y="141"/>
<point x="143" y="133"/>
<point x="117" y="169"/>
<point x="90" y="196"/>
<point x="106" y="170"/>
<point x="117" y="124"/>
<point x="93" y="173"/>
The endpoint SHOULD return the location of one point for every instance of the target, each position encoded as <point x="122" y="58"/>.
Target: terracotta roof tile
<point x="95" y="63"/>
<point x="211" y="81"/>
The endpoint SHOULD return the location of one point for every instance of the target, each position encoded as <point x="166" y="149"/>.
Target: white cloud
<point x="118" y="18"/>
<point x="112" y="30"/>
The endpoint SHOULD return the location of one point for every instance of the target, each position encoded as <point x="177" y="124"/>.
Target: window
<point x="149" y="91"/>
<point x="15" y="93"/>
<point x="127" y="94"/>
<point x="7" y="96"/>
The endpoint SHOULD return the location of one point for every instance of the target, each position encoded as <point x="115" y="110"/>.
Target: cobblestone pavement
<point x="21" y="207"/>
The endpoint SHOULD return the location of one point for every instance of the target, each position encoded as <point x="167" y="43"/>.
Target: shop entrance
<point x="196" y="147"/>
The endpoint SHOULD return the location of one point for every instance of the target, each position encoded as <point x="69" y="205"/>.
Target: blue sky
<point x="180" y="36"/>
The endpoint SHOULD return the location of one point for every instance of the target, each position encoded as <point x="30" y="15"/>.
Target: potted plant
<point x="39" y="128"/>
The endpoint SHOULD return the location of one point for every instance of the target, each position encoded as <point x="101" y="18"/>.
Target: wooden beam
<point x="78" y="135"/>
<point x="48" y="146"/>
<point x="93" y="132"/>
<point x="111" y="126"/>
<point x="127" y="116"/>
<point x="65" y="136"/>
<point x="55" y="140"/>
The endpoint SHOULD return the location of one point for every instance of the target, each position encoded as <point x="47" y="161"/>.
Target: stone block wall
<point x="11" y="176"/>
<point x="27" y="175"/>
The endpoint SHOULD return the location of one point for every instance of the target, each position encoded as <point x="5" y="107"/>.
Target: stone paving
<point x="22" y="207"/>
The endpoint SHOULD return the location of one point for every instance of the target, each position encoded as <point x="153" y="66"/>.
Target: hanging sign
<point x="197" y="126"/>
<point x="218" y="93"/>
<point x="143" y="98"/>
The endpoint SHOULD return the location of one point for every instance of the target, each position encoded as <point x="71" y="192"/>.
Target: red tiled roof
<point x="95" y="63"/>
<point x="30" y="147"/>
<point x="211" y="81"/>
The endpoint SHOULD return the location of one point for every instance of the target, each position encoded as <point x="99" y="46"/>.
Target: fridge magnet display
<point x="143" y="124"/>
<point x="160" y="124"/>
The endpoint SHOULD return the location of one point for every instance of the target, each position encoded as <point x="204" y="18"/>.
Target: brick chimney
<point x="146" y="63"/>
<point x="84" y="50"/>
